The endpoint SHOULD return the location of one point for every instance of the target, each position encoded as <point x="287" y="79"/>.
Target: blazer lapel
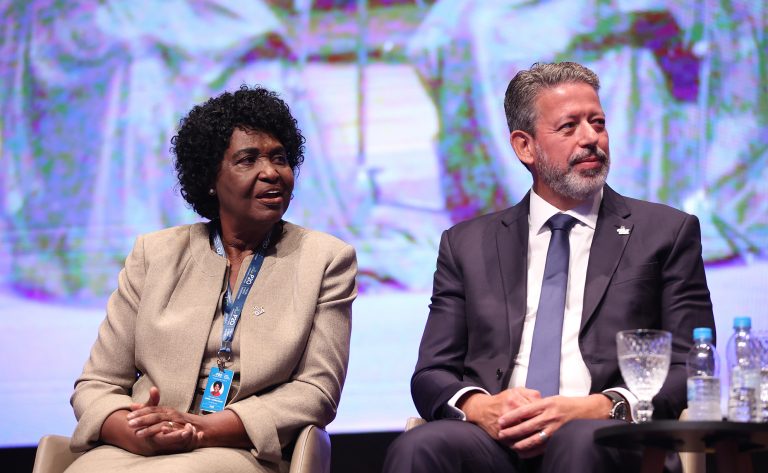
<point x="264" y="316"/>
<point x="611" y="236"/>
<point x="512" y="245"/>
<point x="194" y="305"/>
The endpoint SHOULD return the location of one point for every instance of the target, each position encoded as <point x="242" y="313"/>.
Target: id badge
<point x="216" y="390"/>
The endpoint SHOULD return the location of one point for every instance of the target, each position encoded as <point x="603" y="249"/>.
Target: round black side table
<point x="731" y="442"/>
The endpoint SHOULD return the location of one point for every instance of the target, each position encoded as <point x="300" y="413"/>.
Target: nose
<point x="268" y="171"/>
<point x="588" y="135"/>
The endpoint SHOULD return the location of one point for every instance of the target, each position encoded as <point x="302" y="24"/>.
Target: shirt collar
<point x="541" y="211"/>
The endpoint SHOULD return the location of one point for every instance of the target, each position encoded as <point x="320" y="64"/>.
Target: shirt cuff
<point x="450" y="411"/>
<point x="631" y="399"/>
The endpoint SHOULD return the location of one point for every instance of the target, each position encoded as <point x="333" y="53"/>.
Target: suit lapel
<point x="264" y="316"/>
<point x="607" y="248"/>
<point x="512" y="246"/>
<point x="193" y="306"/>
<point x="202" y="293"/>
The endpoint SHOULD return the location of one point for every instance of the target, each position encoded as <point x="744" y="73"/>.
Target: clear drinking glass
<point x="644" y="363"/>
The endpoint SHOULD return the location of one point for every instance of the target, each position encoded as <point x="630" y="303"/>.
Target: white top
<point x="575" y="379"/>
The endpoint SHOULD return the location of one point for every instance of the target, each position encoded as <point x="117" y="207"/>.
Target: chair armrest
<point x="312" y="452"/>
<point x="53" y="455"/>
<point x="414" y="422"/>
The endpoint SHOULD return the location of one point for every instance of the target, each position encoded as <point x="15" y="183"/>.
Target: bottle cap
<point x="742" y="322"/>
<point x="702" y="333"/>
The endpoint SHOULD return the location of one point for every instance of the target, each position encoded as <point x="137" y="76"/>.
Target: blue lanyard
<point x="233" y="309"/>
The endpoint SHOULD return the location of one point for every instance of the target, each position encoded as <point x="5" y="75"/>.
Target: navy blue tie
<point x="544" y="365"/>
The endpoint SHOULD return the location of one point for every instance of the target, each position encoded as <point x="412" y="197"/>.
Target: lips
<point x="273" y="196"/>
<point x="589" y="158"/>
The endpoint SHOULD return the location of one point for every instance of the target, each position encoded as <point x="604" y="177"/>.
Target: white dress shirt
<point x="575" y="379"/>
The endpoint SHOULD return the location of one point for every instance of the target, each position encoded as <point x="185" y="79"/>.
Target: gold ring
<point x="170" y="424"/>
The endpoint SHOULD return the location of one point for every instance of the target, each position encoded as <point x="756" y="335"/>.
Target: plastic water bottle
<point x="703" y="377"/>
<point x="762" y="398"/>
<point x="744" y="372"/>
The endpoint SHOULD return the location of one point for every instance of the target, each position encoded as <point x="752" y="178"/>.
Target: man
<point x="507" y="385"/>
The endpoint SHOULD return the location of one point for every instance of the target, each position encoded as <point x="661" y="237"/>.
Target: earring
<point x="211" y="192"/>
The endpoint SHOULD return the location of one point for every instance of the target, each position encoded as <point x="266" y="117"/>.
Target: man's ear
<point x="523" y="145"/>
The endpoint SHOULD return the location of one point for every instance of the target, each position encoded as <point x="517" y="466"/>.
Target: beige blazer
<point x="293" y="356"/>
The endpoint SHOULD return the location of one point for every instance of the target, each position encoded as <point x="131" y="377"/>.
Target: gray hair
<point x="525" y="87"/>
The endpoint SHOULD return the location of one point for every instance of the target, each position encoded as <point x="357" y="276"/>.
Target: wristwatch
<point x="620" y="408"/>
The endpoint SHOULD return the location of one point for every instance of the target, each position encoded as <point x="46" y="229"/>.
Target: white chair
<point x="312" y="453"/>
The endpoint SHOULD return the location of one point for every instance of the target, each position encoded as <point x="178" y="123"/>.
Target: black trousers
<point x="451" y="446"/>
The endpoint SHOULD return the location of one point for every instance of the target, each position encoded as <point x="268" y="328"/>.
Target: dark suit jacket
<point x="651" y="278"/>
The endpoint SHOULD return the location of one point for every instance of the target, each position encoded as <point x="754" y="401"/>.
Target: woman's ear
<point x="523" y="144"/>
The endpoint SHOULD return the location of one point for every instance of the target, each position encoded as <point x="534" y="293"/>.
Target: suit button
<point x="499" y="373"/>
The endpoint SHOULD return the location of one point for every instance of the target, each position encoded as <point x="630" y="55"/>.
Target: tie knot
<point x="561" y="222"/>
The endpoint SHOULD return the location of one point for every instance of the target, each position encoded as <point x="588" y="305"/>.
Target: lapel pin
<point x="258" y="311"/>
<point x="622" y="230"/>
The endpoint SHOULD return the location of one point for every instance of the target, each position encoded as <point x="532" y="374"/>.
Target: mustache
<point x="586" y="155"/>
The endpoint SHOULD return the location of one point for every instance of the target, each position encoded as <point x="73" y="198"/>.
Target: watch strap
<point x="619" y="405"/>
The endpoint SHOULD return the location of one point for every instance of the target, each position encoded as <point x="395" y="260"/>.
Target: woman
<point x="284" y="293"/>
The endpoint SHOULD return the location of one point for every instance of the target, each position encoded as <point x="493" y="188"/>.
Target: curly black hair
<point x="205" y="132"/>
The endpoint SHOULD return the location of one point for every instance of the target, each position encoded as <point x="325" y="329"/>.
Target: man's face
<point x="571" y="143"/>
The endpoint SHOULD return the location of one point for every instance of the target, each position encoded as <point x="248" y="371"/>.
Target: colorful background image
<point x="402" y="106"/>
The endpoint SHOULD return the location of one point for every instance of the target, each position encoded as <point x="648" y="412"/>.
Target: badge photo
<point x="216" y="390"/>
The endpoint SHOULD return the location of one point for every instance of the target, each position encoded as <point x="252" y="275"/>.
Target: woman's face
<point x="255" y="181"/>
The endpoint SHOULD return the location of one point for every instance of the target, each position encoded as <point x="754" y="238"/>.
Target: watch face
<point x="619" y="411"/>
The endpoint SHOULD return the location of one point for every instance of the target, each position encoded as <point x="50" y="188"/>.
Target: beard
<point x="569" y="182"/>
